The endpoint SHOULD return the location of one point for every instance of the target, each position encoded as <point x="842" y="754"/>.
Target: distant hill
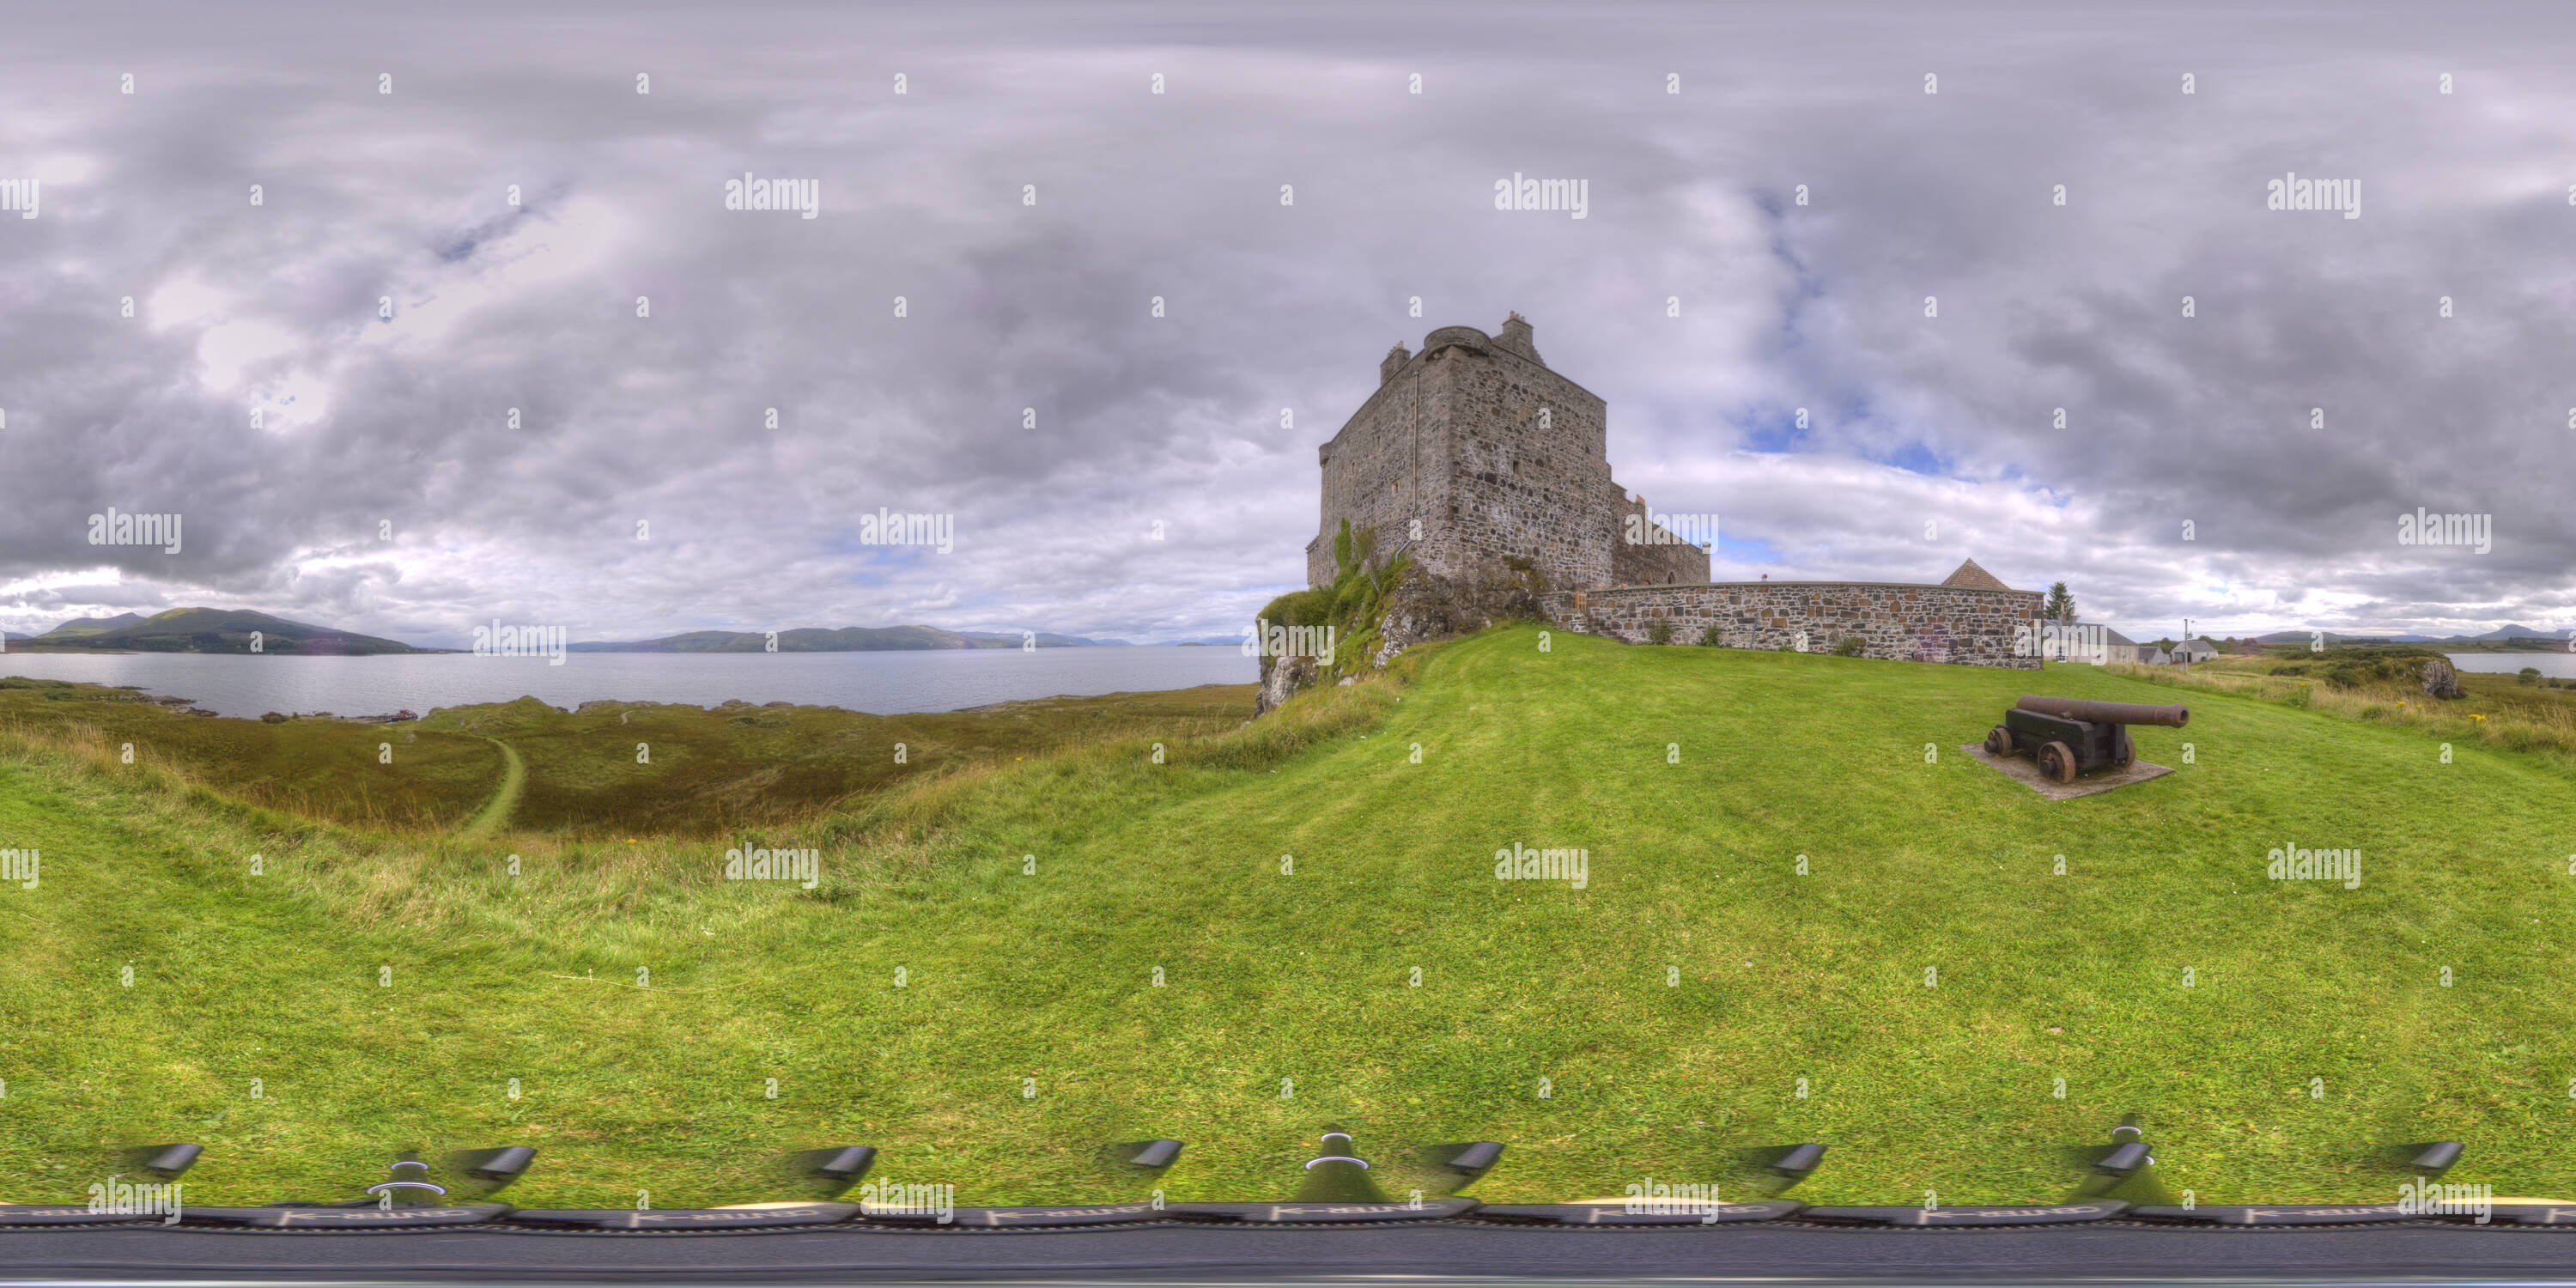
<point x="94" y="625"/>
<point x="847" y="639"/>
<point x="2511" y="636"/>
<point x="204" y="630"/>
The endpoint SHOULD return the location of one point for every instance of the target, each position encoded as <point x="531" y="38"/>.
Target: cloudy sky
<point x="1696" y="128"/>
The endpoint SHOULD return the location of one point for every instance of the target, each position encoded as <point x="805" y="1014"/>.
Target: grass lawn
<point x="987" y="1028"/>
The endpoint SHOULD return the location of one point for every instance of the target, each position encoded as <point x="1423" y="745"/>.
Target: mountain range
<point x="220" y="630"/>
<point x="2496" y="636"/>
<point x="202" y="630"/>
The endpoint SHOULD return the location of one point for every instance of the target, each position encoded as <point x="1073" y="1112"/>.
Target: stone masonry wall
<point x="1521" y="488"/>
<point x="1662" y="559"/>
<point x="1375" y="475"/>
<point x="1954" y="624"/>
<point x="1453" y="438"/>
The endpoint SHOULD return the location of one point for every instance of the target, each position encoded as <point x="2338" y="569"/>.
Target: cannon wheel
<point x="2127" y="751"/>
<point x="2057" y="761"/>
<point x="1999" y="741"/>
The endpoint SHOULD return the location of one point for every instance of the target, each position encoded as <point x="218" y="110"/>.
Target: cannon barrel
<point x="2122" y="713"/>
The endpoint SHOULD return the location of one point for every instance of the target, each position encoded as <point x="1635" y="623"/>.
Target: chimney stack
<point x="1395" y="360"/>
<point x="1516" y="337"/>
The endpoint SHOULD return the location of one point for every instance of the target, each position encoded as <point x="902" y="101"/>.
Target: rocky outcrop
<point x="2440" y="681"/>
<point x="1423" y="608"/>
<point x="1283" y="678"/>
<point x="1429" y="607"/>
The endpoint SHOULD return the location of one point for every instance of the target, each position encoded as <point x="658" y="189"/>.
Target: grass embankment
<point x="987" y="1028"/>
<point x="2385" y="686"/>
<point x="703" y="770"/>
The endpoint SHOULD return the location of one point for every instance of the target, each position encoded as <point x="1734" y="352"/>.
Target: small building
<point x="2194" y="651"/>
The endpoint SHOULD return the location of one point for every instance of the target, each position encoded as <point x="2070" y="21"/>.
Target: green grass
<point x="1047" y="978"/>
<point x="703" y="771"/>
<point x="496" y="812"/>
<point x="334" y="769"/>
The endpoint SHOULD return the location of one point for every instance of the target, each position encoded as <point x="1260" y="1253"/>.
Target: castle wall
<point x="1660" y="558"/>
<point x="1957" y="624"/>
<point x="1518" y="488"/>
<point x="1377" y="470"/>
<point x="1454" y="439"/>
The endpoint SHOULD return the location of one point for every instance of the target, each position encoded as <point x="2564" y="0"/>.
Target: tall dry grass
<point x="2494" y="712"/>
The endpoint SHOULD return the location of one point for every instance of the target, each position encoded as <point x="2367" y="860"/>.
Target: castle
<point x="1479" y="462"/>
<point x="1471" y="452"/>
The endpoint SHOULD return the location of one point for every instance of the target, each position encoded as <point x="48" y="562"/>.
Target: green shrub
<point x="1850" y="646"/>
<point x="2529" y="675"/>
<point x="1350" y="605"/>
<point x="1708" y="637"/>
<point x="1661" y="632"/>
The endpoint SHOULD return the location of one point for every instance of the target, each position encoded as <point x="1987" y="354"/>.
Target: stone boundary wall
<point x="1955" y="624"/>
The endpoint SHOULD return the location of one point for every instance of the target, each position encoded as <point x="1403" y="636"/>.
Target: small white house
<point x="2194" y="651"/>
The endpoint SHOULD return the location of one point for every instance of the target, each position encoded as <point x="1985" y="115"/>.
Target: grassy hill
<point x="204" y="630"/>
<point x="986" y="1027"/>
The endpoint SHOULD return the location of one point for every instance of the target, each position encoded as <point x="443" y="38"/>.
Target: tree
<point x="2166" y="644"/>
<point x="2061" y="605"/>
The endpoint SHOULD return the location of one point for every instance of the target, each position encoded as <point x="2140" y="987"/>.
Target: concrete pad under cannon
<point x="2024" y="770"/>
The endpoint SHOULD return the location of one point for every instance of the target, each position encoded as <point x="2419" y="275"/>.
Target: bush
<point x="1708" y="637"/>
<point x="2529" y="675"/>
<point x="1661" y="632"/>
<point x="1850" y="646"/>
<point x="273" y="718"/>
<point x="1349" y="605"/>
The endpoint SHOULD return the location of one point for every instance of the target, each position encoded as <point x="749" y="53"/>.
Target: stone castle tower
<point x="1472" y="452"/>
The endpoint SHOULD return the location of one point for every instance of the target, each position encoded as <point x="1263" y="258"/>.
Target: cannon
<point x="2069" y="736"/>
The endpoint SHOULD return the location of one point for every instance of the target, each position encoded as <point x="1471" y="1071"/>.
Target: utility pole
<point x="2186" y="645"/>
